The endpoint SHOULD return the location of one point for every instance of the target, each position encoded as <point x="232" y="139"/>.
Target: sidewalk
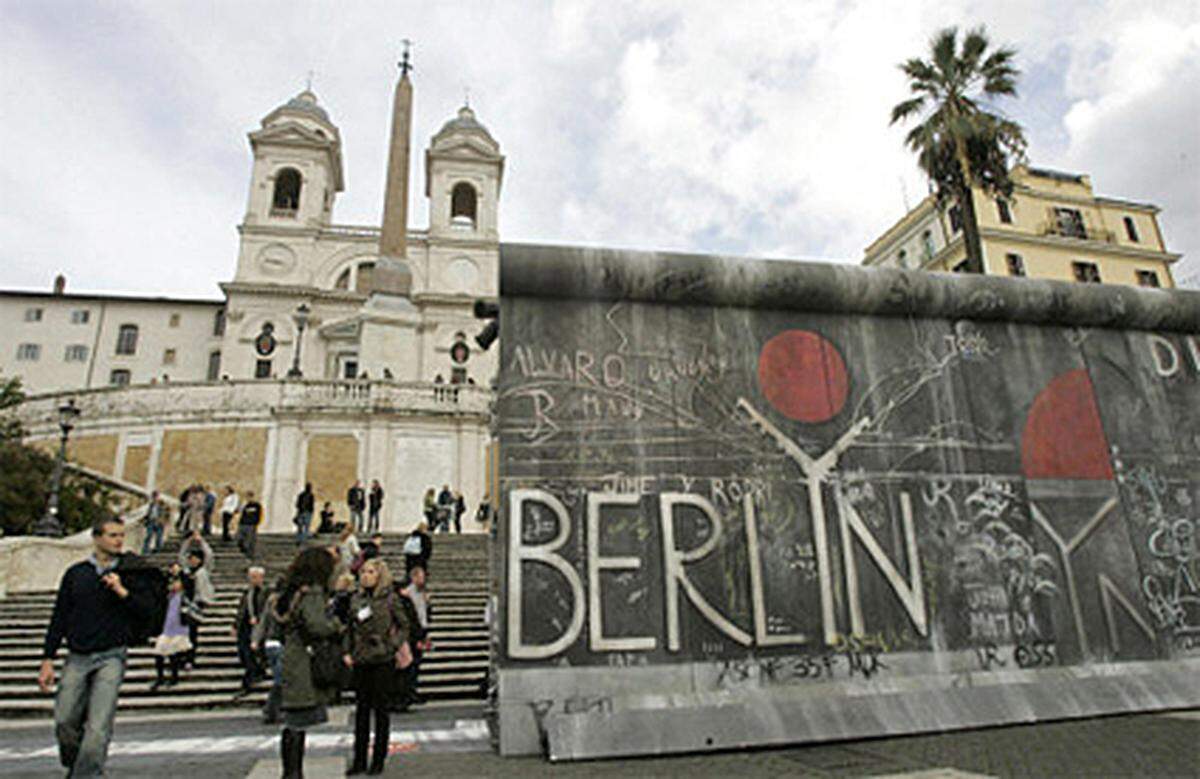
<point x="453" y="742"/>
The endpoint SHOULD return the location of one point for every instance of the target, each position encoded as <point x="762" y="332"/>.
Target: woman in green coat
<point x="302" y="610"/>
<point x="376" y="648"/>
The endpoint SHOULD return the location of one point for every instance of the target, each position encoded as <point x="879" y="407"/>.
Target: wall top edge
<point x="593" y="273"/>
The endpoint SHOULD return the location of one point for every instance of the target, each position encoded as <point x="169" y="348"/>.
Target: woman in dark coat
<point x="376" y="648"/>
<point x="302" y="611"/>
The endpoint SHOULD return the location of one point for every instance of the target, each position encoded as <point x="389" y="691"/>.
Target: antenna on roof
<point x="405" y="64"/>
<point x="308" y="83"/>
<point x="466" y="96"/>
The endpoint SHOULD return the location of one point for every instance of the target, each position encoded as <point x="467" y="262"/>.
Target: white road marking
<point x="463" y="731"/>
<point x="937" y="773"/>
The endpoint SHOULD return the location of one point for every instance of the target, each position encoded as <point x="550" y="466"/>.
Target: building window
<point x="927" y="244"/>
<point x="173" y="321"/>
<point x="1147" y="278"/>
<point x="219" y="322"/>
<point x="169" y="357"/>
<point x="902" y="258"/>
<point x="1016" y="265"/>
<point x="214" y="366"/>
<point x="286" y="200"/>
<point x="80" y="316"/>
<point x="960" y="267"/>
<point x="262" y="369"/>
<point x="1086" y="272"/>
<point x="1131" y="230"/>
<point x="119" y="378"/>
<point x="33" y="315"/>
<point x="1004" y="211"/>
<point x="76" y="353"/>
<point x="462" y="204"/>
<point x="1069" y="222"/>
<point x="343" y="281"/>
<point x="956" y="222"/>
<point x="127" y="338"/>
<point x="365" y="277"/>
<point x="350" y="369"/>
<point x="29" y="352"/>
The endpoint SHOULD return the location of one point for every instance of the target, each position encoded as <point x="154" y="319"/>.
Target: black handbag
<point x="328" y="668"/>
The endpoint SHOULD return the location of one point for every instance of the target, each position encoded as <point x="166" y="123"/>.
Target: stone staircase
<point x="454" y="670"/>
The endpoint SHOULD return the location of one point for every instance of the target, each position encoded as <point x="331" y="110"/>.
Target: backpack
<point x="150" y="585"/>
<point x="413" y="545"/>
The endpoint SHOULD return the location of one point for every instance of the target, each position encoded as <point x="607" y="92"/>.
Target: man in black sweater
<point x="102" y="606"/>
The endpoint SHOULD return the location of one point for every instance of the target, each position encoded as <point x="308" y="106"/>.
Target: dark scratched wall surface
<point x="710" y="461"/>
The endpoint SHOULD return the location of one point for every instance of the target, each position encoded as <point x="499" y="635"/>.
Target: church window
<point x="343" y="281"/>
<point x="173" y="321"/>
<point x="219" y="322"/>
<point x="462" y="204"/>
<point x="262" y="369"/>
<point x="1147" y="278"/>
<point x="119" y="378"/>
<point x="365" y="277"/>
<point x="169" y="356"/>
<point x="127" y="338"/>
<point x="902" y="258"/>
<point x="214" y="366"/>
<point x="1004" y="211"/>
<point x="287" y="193"/>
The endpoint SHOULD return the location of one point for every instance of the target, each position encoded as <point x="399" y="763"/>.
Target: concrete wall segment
<point x="528" y="270"/>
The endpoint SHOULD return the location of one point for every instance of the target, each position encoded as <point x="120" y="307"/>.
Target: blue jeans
<point x="303" y="524"/>
<point x="275" y="696"/>
<point x="154" y="530"/>
<point x="84" y="709"/>
<point x="356" y="517"/>
<point x="373" y="521"/>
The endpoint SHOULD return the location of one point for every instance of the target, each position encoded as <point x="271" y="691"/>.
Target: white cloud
<point x="757" y="128"/>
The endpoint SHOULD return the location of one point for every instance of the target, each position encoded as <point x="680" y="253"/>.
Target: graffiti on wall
<point x="790" y="496"/>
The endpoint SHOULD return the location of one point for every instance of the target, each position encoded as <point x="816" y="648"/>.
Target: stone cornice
<point x="291" y="291"/>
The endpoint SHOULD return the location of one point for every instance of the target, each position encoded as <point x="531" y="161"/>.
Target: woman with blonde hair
<point x="376" y="647"/>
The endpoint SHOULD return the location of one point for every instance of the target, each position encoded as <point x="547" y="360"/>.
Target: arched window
<point x="462" y="204"/>
<point x="127" y="338"/>
<point x="343" y="280"/>
<point x="287" y="191"/>
<point x="364" y="278"/>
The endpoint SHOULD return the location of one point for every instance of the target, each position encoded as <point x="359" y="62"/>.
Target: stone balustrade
<point x="252" y="399"/>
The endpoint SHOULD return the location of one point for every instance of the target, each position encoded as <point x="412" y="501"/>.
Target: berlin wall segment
<point x="703" y="494"/>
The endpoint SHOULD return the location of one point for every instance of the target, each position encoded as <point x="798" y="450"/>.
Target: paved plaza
<point x="452" y="741"/>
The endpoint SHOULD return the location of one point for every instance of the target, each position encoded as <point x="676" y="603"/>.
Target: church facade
<point x="338" y="352"/>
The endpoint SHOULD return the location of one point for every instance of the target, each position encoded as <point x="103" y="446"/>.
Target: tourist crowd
<point x="337" y="621"/>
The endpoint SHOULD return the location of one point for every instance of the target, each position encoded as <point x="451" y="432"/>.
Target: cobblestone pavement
<point x="451" y="743"/>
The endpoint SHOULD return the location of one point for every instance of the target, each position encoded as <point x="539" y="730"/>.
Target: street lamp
<point x="49" y="525"/>
<point x="301" y="318"/>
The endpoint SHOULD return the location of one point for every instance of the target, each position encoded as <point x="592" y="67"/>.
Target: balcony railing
<point x="249" y="399"/>
<point x="1077" y="232"/>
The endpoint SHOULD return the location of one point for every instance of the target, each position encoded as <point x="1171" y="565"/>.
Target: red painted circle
<point x="802" y="375"/>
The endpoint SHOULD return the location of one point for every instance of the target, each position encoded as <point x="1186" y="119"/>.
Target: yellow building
<point x="1053" y="227"/>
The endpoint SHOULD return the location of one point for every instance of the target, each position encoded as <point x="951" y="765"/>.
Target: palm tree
<point x="959" y="143"/>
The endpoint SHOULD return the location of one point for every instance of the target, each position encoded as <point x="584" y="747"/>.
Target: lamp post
<point x="49" y="525"/>
<point x="301" y="317"/>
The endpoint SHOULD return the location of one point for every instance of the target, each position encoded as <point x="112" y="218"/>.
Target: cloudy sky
<point x="754" y="128"/>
